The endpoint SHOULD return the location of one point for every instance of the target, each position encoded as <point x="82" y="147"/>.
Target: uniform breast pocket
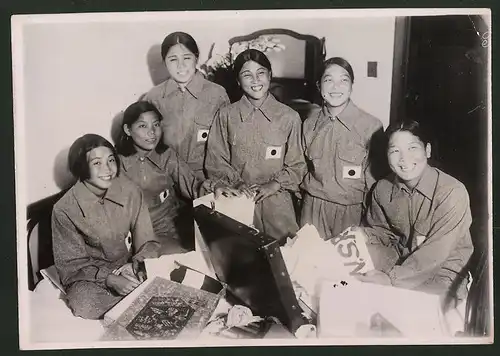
<point x="202" y="128"/>
<point x="274" y="147"/>
<point x="351" y="156"/>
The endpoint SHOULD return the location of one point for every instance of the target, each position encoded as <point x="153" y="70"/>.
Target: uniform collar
<point x="153" y="156"/>
<point x="426" y="186"/>
<point x="270" y="108"/>
<point x="347" y="117"/>
<point x="88" y="200"/>
<point x="194" y="87"/>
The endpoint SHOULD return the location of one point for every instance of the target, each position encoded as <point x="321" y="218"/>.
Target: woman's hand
<point x="236" y="191"/>
<point x="120" y="284"/>
<point x="374" y="276"/>
<point x="139" y="269"/>
<point x="226" y="191"/>
<point x="245" y="189"/>
<point x="265" y="190"/>
<point x="128" y="272"/>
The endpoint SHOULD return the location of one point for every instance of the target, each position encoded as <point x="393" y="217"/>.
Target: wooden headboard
<point x="39" y="230"/>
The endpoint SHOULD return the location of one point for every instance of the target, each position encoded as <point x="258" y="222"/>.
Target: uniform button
<point x="141" y="159"/>
<point x="351" y="172"/>
<point x="273" y="152"/>
<point x="204" y="135"/>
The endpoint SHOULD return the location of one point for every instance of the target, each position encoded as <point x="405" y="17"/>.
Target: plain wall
<point x="79" y="76"/>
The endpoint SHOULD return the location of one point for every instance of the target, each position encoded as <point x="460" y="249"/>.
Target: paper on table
<point x="161" y="266"/>
<point x="347" y="310"/>
<point x="194" y="260"/>
<point x="238" y="208"/>
<point x="51" y="274"/>
<point x="310" y="260"/>
<point x="164" y="265"/>
<point x="352" y="250"/>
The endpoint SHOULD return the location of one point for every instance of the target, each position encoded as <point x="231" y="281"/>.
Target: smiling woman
<point x="408" y="151"/>
<point x="254" y="75"/>
<point x="90" y="226"/>
<point x="418" y="222"/>
<point x="254" y="148"/>
<point x="338" y="138"/>
<point x="102" y="169"/>
<point x="160" y="173"/>
<point x="187" y="101"/>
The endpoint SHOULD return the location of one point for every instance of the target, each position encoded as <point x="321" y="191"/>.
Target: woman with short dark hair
<point x="101" y="231"/>
<point x="418" y="222"/>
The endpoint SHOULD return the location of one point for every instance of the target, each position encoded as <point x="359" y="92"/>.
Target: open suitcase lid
<point x="251" y="265"/>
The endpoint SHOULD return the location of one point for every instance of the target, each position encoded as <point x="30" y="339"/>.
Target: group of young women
<point x="184" y="139"/>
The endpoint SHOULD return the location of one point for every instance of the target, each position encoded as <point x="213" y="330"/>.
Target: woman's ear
<point x="428" y="150"/>
<point x="126" y="129"/>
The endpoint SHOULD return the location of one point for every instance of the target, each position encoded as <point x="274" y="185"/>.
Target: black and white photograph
<point x="256" y="177"/>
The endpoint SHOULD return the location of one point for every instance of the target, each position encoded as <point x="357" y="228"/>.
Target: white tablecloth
<point x="52" y="321"/>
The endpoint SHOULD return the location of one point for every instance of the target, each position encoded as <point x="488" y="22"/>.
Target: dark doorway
<point x="441" y="79"/>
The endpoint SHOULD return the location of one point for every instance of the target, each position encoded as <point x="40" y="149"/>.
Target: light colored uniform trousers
<point x="330" y="219"/>
<point x="275" y="216"/>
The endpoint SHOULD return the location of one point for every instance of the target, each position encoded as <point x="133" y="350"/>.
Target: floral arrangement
<point x="218" y="67"/>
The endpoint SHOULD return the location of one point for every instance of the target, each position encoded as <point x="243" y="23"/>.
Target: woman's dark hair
<point x="250" y="55"/>
<point x="125" y="145"/>
<point x="336" y="61"/>
<point x="179" y="38"/>
<point x="419" y="130"/>
<point x="412" y="126"/>
<point x="77" y="156"/>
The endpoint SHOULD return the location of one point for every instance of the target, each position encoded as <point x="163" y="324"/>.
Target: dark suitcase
<point x="252" y="267"/>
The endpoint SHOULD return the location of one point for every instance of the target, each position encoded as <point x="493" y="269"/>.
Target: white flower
<point x="237" y="48"/>
<point x="222" y="56"/>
